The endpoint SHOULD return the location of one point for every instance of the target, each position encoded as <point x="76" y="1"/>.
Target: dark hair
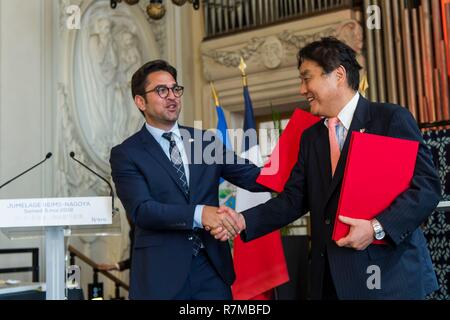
<point x="139" y="79"/>
<point x="330" y="53"/>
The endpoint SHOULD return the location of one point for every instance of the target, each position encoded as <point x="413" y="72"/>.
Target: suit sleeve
<point x="290" y="205"/>
<point x="124" y="264"/>
<point x="144" y="211"/>
<point x="412" y="207"/>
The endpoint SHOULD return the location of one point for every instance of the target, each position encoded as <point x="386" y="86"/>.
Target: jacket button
<point x="322" y="255"/>
<point x="327" y="221"/>
<point x="190" y="238"/>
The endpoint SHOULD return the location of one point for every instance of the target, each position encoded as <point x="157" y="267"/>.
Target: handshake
<point x="223" y="223"/>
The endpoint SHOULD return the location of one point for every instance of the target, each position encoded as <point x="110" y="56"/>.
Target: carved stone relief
<point x="95" y="96"/>
<point x="107" y="54"/>
<point x="272" y="52"/>
<point x="279" y="49"/>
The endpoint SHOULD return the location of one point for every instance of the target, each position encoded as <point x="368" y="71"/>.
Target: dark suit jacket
<point x="405" y="264"/>
<point x="149" y="189"/>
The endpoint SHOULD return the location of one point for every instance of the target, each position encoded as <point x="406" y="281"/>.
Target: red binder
<point x="377" y="171"/>
<point x="277" y="170"/>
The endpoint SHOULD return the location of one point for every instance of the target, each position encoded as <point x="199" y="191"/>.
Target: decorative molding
<point x="159" y="31"/>
<point x="231" y="59"/>
<point x="299" y="40"/>
<point x="272" y="52"/>
<point x="95" y="64"/>
<point x="158" y="28"/>
<point x="271" y="57"/>
<point x="70" y="178"/>
<point x="272" y="49"/>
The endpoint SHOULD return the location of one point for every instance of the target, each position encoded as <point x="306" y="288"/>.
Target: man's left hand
<point x="360" y="235"/>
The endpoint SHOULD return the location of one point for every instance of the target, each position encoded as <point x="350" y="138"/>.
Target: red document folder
<point x="277" y="170"/>
<point x="377" y="171"/>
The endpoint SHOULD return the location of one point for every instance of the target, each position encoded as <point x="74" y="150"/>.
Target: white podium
<point x="54" y="215"/>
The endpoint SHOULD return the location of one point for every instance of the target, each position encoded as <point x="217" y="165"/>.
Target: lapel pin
<point x="362" y="130"/>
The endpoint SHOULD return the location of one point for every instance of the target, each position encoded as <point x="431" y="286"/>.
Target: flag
<point x="227" y="192"/>
<point x="222" y="128"/>
<point x="260" y="265"/>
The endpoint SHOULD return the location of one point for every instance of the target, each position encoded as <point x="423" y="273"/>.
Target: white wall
<point x="25" y="110"/>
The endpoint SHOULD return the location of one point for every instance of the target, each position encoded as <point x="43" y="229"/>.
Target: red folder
<point x="277" y="170"/>
<point x="377" y="171"/>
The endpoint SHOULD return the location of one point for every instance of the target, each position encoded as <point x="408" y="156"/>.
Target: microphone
<point x="47" y="156"/>
<point x="111" y="193"/>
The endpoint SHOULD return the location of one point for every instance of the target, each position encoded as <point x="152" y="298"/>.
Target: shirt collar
<point x="346" y="114"/>
<point x="157" y="133"/>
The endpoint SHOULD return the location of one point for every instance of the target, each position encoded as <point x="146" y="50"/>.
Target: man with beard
<point x="172" y="201"/>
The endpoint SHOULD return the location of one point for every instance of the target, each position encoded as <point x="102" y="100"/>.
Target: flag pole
<point x="214" y="94"/>
<point x="242" y="67"/>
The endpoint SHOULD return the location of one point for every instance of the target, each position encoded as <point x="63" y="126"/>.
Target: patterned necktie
<point x="335" y="151"/>
<point x="177" y="162"/>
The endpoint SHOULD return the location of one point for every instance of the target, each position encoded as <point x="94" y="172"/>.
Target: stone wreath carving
<point x="273" y="49"/>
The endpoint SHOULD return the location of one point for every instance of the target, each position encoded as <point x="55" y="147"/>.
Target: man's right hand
<point x="235" y="223"/>
<point x="225" y="225"/>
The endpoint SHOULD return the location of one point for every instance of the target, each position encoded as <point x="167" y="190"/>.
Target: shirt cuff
<point x="198" y="216"/>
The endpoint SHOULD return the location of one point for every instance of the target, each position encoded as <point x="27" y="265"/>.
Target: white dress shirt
<point x="165" y="145"/>
<point x="345" y="118"/>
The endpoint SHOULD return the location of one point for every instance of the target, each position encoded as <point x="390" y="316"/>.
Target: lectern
<point x="54" y="215"/>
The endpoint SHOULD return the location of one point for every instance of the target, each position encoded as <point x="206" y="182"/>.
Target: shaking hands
<point x="223" y="223"/>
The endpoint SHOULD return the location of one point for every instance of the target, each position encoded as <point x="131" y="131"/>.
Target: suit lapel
<point x="361" y="119"/>
<point x="157" y="153"/>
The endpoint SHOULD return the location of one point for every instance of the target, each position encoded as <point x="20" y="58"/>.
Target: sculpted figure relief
<point x="109" y="53"/>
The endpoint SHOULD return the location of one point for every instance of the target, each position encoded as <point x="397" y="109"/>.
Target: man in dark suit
<point x="167" y="177"/>
<point x="351" y="268"/>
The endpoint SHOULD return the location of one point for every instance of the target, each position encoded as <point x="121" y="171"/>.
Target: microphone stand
<point x="54" y="252"/>
<point x="111" y="192"/>
<point x="48" y="156"/>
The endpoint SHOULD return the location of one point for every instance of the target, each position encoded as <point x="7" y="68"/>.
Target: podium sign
<point x="55" y="212"/>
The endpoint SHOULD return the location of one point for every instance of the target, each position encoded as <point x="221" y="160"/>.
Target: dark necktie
<point x="177" y="163"/>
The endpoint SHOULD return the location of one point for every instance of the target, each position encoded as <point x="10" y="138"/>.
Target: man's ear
<point x="341" y="74"/>
<point x="140" y="102"/>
